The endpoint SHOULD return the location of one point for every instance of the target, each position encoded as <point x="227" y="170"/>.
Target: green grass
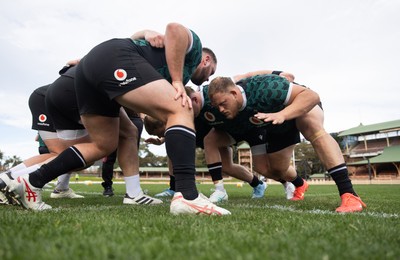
<point x="269" y="228"/>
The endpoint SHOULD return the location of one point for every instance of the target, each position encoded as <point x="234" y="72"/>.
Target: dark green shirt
<point x="262" y="93"/>
<point x="156" y="57"/>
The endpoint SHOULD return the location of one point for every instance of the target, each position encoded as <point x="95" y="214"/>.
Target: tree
<point x="8" y="162"/>
<point x="200" y="158"/>
<point x="1" y="161"/>
<point x="307" y="161"/>
<point x="148" y="159"/>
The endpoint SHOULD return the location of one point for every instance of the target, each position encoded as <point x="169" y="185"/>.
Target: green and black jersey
<point x="156" y="57"/>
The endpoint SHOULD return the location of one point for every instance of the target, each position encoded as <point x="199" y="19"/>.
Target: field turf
<point x="270" y="228"/>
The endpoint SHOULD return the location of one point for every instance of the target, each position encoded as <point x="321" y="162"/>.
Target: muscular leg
<point x="127" y="146"/>
<point x="179" y="136"/>
<point x="233" y="169"/>
<point x="276" y="165"/>
<point x="216" y="150"/>
<point x="54" y="148"/>
<point x="311" y="125"/>
<point x="327" y="149"/>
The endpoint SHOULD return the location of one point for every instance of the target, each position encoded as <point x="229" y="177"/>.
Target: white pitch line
<point x="321" y="212"/>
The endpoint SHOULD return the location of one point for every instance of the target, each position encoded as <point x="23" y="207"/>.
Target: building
<point x="373" y="151"/>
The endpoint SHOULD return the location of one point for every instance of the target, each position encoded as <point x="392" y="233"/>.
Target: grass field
<point x="269" y="228"/>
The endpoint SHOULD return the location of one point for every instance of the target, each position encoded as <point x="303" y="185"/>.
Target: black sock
<point x="255" y="181"/>
<point x="69" y="160"/>
<point x="298" y="182"/>
<point x="341" y="177"/>
<point x="107" y="169"/>
<point x="180" y="143"/>
<point x="172" y="182"/>
<point x="215" y="170"/>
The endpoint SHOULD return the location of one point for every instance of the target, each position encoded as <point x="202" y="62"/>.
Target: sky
<point x="346" y="51"/>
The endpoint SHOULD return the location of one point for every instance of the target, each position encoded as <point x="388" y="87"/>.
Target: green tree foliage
<point x="7" y="162"/>
<point x="307" y="161"/>
<point x="148" y="159"/>
<point x="200" y="158"/>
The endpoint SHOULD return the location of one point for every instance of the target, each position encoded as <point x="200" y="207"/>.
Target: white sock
<point x="18" y="167"/>
<point x="63" y="182"/>
<point x="219" y="185"/>
<point x="23" y="171"/>
<point x="132" y="184"/>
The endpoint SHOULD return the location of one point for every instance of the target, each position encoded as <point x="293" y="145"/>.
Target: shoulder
<point x="195" y="50"/>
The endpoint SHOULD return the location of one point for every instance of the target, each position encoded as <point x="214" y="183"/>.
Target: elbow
<point x="173" y="27"/>
<point x="317" y="98"/>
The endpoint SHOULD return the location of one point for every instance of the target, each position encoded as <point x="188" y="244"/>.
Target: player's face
<point x="203" y="72"/>
<point x="226" y="103"/>
<point x="196" y="108"/>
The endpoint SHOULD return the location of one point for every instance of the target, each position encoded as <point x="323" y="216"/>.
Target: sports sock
<point x="69" y="160"/>
<point x="219" y="185"/>
<point x="298" y="181"/>
<point x="215" y="170"/>
<point x="22" y="171"/>
<point x="180" y="143"/>
<point x="132" y="184"/>
<point x="18" y="167"/>
<point x="63" y="182"/>
<point x="255" y="181"/>
<point x="341" y="177"/>
<point x="172" y="182"/>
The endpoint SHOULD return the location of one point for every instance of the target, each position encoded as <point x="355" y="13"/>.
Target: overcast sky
<point x="346" y="50"/>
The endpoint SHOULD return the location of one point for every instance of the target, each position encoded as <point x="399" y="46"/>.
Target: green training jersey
<point x="262" y="93"/>
<point x="156" y="57"/>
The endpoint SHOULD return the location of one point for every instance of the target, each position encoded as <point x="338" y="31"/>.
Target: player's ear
<point x="233" y="93"/>
<point x="207" y="60"/>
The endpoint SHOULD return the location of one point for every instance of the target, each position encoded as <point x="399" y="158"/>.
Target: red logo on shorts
<point x="209" y="116"/>
<point x="120" y="74"/>
<point x="256" y="121"/>
<point x="42" y="118"/>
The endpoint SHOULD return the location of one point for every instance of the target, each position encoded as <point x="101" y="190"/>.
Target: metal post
<point x="369" y="170"/>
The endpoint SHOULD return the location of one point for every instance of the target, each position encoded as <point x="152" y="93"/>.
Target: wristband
<point x="64" y="69"/>
<point x="276" y="72"/>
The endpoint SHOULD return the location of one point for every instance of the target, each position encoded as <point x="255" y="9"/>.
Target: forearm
<point x="301" y="104"/>
<point x="288" y="76"/>
<point x="251" y="74"/>
<point x="139" y="35"/>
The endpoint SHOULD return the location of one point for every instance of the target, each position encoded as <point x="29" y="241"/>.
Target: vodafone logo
<point x="42" y="118"/>
<point x="209" y="116"/>
<point x="256" y="121"/>
<point x="120" y="74"/>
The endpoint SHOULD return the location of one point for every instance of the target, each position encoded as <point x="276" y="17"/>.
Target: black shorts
<point x="256" y="136"/>
<point x="281" y="136"/>
<point x="109" y="70"/>
<point x="202" y="129"/>
<point x="62" y="105"/>
<point x="41" y="120"/>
